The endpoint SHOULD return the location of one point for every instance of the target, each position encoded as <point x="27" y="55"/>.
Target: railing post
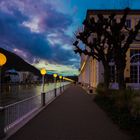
<point x="60" y="89"/>
<point x="63" y="87"/>
<point x="2" y="122"/>
<point x="55" y="92"/>
<point x="43" y="99"/>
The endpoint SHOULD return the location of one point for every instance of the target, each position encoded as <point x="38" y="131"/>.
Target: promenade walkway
<point x="72" y="116"/>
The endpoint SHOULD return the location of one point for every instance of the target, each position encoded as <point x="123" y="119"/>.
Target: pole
<point x="43" y="94"/>
<point x="43" y="99"/>
<point x="2" y="122"/>
<point x="42" y="83"/>
<point x="60" y="85"/>
<point x="54" y="83"/>
<point x="0" y="84"/>
<point x="55" y="86"/>
<point x="60" y="82"/>
<point x="63" y="84"/>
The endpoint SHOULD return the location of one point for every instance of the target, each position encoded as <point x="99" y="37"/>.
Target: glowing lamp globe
<point x="43" y="71"/>
<point x="3" y="59"/>
<point x="60" y="77"/>
<point x="55" y="75"/>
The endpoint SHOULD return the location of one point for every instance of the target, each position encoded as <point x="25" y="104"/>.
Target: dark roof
<point x="110" y="11"/>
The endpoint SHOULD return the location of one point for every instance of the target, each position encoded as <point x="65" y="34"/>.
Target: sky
<point x="42" y="31"/>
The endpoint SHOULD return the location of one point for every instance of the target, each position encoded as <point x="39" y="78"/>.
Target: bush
<point x="135" y="107"/>
<point x="101" y="89"/>
<point x="123" y="107"/>
<point x="123" y="99"/>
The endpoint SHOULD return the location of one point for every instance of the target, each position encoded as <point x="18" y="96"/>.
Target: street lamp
<point x="3" y="60"/>
<point x="43" y="72"/>
<point x="63" y="80"/>
<point x="55" y="75"/>
<point x="60" y="77"/>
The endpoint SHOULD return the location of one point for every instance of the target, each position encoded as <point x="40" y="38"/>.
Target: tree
<point x="95" y="37"/>
<point x="105" y="37"/>
<point x="121" y="38"/>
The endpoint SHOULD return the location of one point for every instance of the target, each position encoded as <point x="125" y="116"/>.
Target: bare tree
<point x="105" y="37"/>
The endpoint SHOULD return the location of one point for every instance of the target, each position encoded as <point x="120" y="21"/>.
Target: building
<point x="91" y="71"/>
<point x="14" y="76"/>
<point x="27" y="77"/>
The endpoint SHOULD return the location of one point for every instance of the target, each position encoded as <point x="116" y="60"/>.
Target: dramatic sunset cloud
<point x="42" y="32"/>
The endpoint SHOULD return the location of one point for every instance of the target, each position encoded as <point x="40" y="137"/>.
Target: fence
<point x="13" y="114"/>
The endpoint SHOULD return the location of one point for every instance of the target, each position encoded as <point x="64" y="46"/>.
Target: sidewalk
<point x="72" y="116"/>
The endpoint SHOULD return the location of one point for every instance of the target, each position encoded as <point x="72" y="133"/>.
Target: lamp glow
<point x="55" y="75"/>
<point x="60" y="77"/>
<point x="43" y="71"/>
<point x="3" y="59"/>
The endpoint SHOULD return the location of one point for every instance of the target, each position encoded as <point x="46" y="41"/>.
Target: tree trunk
<point x="106" y="75"/>
<point x="120" y="73"/>
<point x="121" y="80"/>
<point x="120" y="65"/>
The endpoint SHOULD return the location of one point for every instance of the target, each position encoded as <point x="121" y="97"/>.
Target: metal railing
<point x="13" y="114"/>
<point x="16" y="112"/>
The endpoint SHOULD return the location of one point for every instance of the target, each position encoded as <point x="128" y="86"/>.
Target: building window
<point x="134" y="52"/>
<point x="135" y="66"/>
<point x="134" y="74"/>
<point x="136" y="21"/>
<point x="128" y="23"/>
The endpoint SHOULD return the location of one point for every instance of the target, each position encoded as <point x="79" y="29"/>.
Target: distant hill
<point x="17" y="63"/>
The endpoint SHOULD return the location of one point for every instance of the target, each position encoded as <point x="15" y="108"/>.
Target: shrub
<point x="123" y="107"/>
<point x="101" y="89"/>
<point x="135" y="107"/>
<point x="123" y="99"/>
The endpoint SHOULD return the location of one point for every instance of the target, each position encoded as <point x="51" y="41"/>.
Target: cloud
<point x="57" y="68"/>
<point x="33" y="25"/>
<point x="37" y="31"/>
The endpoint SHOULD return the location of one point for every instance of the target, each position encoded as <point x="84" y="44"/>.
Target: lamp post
<point x="55" y="75"/>
<point x="43" y="72"/>
<point x="60" y="77"/>
<point x="63" y="82"/>
<point x="3" y="60"/>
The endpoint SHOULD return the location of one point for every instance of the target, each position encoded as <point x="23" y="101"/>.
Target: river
<point x="16" y="93"/>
